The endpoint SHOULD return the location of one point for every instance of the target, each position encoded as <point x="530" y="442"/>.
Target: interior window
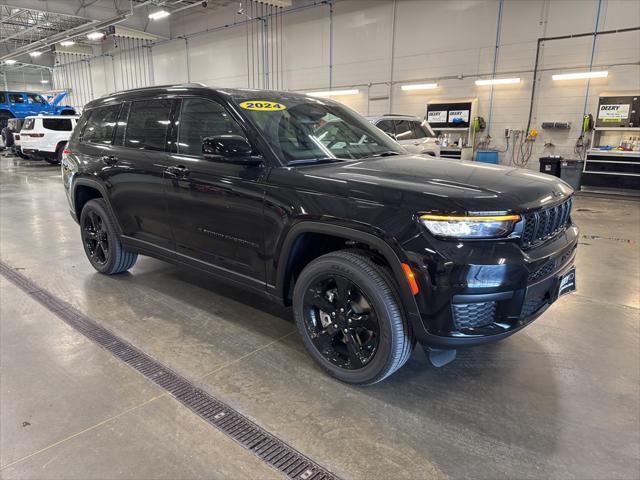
<point x="200" y="118"/>
<point x="147" y="124"/>
<point x="386" y="126"/>
<point x="59" y="124"/>
<point x="404" y="130"/>
<point x="32" y="99"/>
<point x="99" y="128"/>
<point x="16" y="98"/>
<point x="421" y="131"/>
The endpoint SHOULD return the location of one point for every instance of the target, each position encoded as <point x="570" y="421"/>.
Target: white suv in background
<point x="415" y="135"/>
<point x="46" y="136"/>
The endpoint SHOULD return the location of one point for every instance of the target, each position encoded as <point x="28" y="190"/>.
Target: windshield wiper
<point x="387" y="153"/>
<point x="315" y="161"/>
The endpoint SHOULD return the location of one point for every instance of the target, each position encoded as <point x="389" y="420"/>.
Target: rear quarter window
<point x="29" y="123"/>
<point x="58" y="124"/>
<point x="3" y="98"/>
<point x="100" y="125"/>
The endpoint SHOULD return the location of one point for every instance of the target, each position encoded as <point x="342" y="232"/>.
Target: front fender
<point x="387" y="247"/>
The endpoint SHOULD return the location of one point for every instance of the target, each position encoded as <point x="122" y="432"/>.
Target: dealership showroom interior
<point x="320" y="239"/>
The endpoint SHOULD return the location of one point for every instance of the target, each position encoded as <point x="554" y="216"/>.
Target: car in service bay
<point x="45" y="137"/>
<point x="374" y="248"/>
<point x="415" y="135"/>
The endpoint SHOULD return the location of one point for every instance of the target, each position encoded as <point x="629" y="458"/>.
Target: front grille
<point x="532" y="305"/>
<point x="473" y="315"/>
<point x="544" y="224"/>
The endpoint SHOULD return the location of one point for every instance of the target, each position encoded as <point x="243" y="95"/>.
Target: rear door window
<point x="58" y="124"/>
<point x="404" y="131"/>
<point x="16" y="98"/>
<point x="101" y="125"/>
<point x="147" y="124"/>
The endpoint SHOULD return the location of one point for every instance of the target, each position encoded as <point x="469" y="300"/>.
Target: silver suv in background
<point x="414" y="134"/>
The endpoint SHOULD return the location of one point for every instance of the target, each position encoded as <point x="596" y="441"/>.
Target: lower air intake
<point x="473" y="315"/>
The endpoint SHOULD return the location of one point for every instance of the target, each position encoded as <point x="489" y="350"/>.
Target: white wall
<point x="434" y="39"/>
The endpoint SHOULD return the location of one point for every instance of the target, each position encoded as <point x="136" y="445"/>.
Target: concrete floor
<point x="561" y="399"/>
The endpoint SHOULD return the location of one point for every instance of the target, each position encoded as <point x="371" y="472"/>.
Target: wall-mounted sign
<point x="437" y="116"/>
<point x="613" y="113"/>
<point x="458" y="116"/>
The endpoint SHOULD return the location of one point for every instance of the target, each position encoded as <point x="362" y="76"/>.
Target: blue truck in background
<point x="24" y="104"/>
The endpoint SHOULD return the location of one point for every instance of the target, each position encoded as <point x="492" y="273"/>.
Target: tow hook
<point x="440" y="357"/>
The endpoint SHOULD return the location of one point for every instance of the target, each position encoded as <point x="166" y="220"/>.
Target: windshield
<point x="300" y="130"/>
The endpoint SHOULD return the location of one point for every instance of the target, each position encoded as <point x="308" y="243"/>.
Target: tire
<point x="4" y="117"/>
<point x="24" y="156"/>
<point x="7" y="137"/>
<point x="101" y="241"/>
<point x="67" y="112"/>
<point x="57" y="158"/>
<point x="373" y="288"/>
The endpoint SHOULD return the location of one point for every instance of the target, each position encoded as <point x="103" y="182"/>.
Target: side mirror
<point x="229" y="148"/>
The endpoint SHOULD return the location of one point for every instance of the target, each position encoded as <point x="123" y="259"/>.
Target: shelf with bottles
<point x="615" y="139"/>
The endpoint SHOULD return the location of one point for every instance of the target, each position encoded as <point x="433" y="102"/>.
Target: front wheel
<point x="101" y="242"/>
<point x="349" y="316"/>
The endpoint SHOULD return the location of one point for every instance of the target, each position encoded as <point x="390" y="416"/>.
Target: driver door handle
<point x="178" y="170"/>
<point x="109" y="159"/>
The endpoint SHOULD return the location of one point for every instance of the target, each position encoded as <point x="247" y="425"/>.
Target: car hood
<point x="439" y="185"/>
<point x="58" y="98"/>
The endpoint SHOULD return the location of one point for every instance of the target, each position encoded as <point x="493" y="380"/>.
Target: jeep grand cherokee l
<point x="374" y="249"/>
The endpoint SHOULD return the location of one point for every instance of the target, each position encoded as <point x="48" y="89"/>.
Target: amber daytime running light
<point x="469" y="226"/>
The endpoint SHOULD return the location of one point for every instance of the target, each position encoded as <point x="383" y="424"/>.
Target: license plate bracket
<point x="567" y="282"/>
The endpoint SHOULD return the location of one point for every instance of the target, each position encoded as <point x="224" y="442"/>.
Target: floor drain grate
<point x="267" y="447"/>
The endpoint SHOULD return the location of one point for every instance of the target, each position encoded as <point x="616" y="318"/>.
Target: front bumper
<point x="478" y="292"/>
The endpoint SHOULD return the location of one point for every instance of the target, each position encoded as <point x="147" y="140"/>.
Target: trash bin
<point x="551" y="165"/>
<point x="487" y="156"/>
<point x="571" y="172"/>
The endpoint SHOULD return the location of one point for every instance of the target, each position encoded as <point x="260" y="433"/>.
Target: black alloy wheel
<point x="341" y="322"/>
<point x="96" y="238"/>
<point x="101" y="241"/>
<point x="349" y="315"/>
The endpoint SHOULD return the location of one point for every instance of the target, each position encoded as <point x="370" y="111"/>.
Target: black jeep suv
<point x="304" y="201"/>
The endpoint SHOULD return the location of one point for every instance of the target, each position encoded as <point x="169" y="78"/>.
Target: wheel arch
<point x="290" y="255"/>
<point x="85" y="189"/>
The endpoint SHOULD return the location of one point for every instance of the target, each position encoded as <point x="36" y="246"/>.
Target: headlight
<point x="469" y="226"/>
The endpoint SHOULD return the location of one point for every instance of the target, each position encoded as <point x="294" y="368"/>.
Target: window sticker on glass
<point x="262" y="105"/>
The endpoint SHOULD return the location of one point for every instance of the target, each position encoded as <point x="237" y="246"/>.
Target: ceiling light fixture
<point x="11" y="61"/>
<point x="67" y="43"/>
<point x="334" y="93"/>
<point x="419" y="86"/>
<point x="95" y="35"/>
<point x="44" y="81"/>
<point x="35" y="54"/>
<point x="580" y="75"/>
<point x="498" y="81"/>
<point x="158" y="14"/>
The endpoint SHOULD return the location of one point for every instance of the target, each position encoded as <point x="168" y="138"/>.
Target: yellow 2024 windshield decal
<point x="262" y="105"/>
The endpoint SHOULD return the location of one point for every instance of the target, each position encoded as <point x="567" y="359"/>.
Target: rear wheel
<point x="100" y="239"/>
<point x="4" y="118"/>
<point x="57" y="157"/>
<point x="348" y="313"/>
